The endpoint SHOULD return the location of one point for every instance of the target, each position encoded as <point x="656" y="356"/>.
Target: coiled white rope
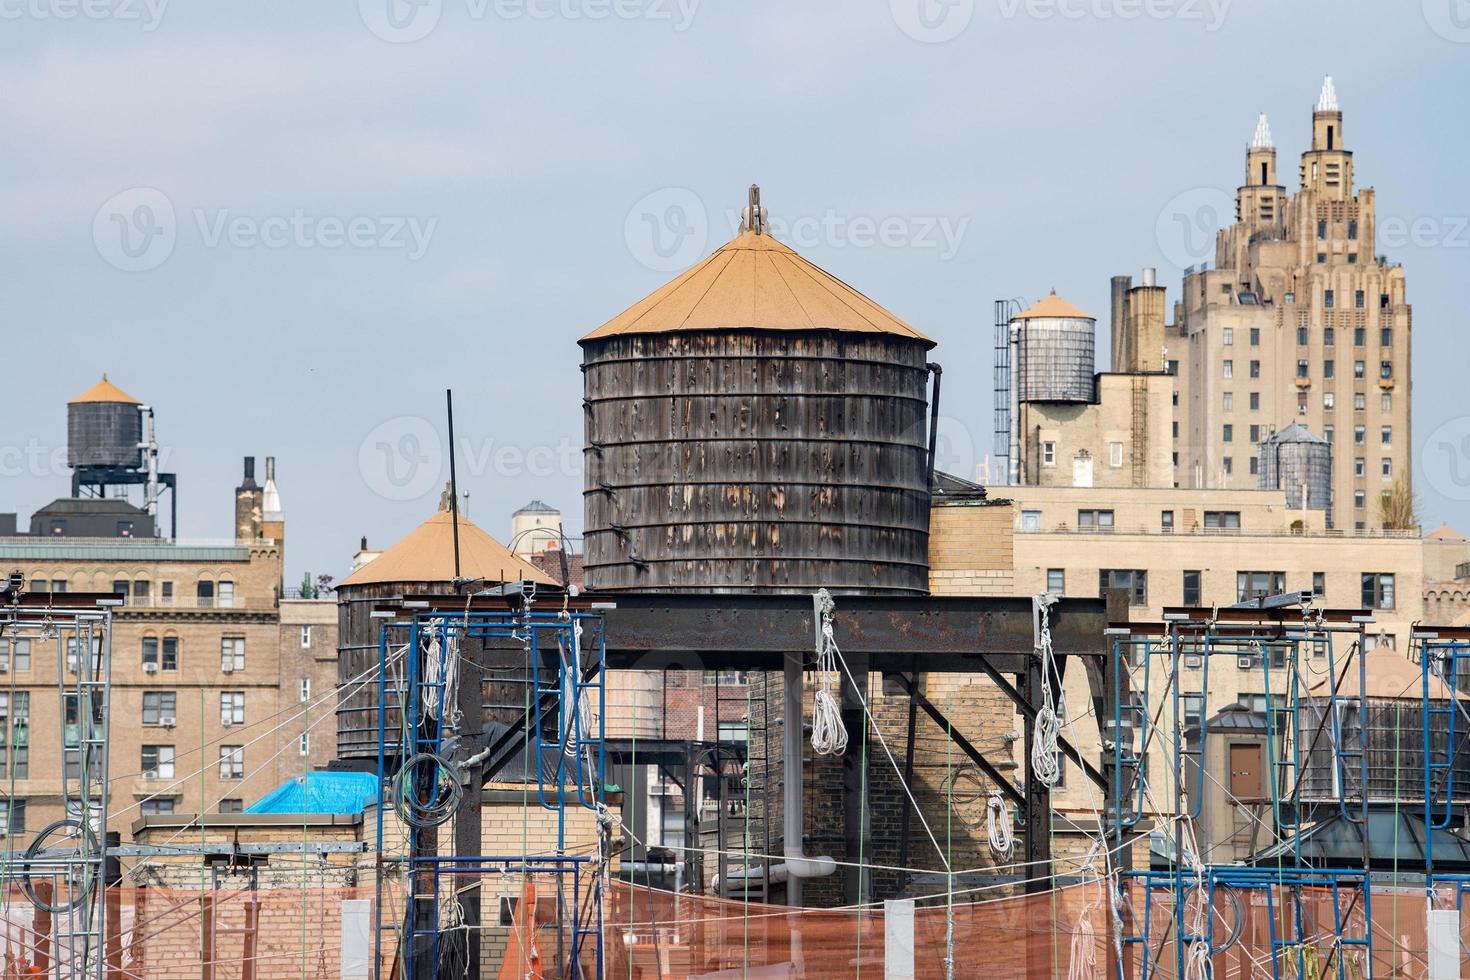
<point x="999" y="826"/>
<point x="829" y="737"/>
<point x="445" y="703"/>
<point x="1045" y="751"/>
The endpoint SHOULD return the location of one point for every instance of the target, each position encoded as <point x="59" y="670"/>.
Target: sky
<point x="289" y="227"/>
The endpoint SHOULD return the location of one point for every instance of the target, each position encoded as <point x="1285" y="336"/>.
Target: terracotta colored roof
<point x="758" y="283"/>
<point x="427" y="555"/>
<point x="1444" y="533"/>
<point x="1391" y="676"/>
<point x="104" y="391"/>
<point x="1054" y="306"/>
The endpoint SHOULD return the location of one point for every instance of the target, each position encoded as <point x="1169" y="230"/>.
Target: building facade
<point x="1300" y="319"/>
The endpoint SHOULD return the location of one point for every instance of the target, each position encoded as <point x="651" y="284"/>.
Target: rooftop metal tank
<point x="1295" y="460"/>
<point x="104" y="428"/>
<point x="756" y="425"/>
<point x="1054" y="353"/>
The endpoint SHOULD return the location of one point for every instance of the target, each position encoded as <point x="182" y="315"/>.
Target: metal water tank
<point x="1054" y="353"/>
<point x="1295" y="460"/>
<point x="756" y="425"/>
<point x="104" y="428"/>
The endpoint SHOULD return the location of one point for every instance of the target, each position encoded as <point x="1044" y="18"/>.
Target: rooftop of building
<point x="427" y="554"/>
<point x="1053" y="307"/>
<point x="104" y="391"/>
<point x="538" y="507"/>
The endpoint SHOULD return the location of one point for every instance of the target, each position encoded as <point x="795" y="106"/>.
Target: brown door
<point x="1245" y="770"/>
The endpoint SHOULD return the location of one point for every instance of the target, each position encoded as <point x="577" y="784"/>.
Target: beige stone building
<point x="1300" y="319"/>
<point x="220" y="689"/>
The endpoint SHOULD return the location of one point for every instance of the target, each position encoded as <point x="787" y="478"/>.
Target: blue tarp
<point x="320" y="792"/>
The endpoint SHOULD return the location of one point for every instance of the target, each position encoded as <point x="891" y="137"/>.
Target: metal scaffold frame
<point x="1276" y="632"/>
<point x="64" y="871"/>
<point x="428" y="769"/>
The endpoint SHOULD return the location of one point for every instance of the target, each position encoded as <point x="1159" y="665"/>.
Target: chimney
<point x="248" y="509"/>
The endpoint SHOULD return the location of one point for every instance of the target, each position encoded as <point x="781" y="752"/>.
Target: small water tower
<point x="1300" y="463"/>
<point x="110" y="444"/>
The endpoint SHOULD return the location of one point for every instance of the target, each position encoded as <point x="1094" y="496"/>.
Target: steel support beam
<point x="1003" y="783"/>
<point x="1028" y="715"/>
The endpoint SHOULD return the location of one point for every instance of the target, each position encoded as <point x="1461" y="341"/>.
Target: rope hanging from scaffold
<point x="829" y="737"/>
<point x="1045" y="751"/>
<point x="999" y="826"/>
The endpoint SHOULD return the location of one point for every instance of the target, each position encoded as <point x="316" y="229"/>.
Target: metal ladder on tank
<point x="752" y="705"/>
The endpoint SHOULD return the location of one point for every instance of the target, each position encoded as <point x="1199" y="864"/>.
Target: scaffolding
<point x="428" y="774"/>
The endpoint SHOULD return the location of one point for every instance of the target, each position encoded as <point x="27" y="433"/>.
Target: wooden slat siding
<point x="746" y="461"/>
<point x="1395" y="748"/>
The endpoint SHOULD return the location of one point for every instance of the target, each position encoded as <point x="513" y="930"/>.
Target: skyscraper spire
<point x="1327" y="101"/>
<point x="1262" y="139"/>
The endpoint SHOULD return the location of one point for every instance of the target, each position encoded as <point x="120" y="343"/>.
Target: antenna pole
<point x="453" y="483"/>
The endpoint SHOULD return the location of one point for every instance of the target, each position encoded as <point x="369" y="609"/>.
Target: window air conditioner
<point x="167" y="721"/>
<point x="227" y="668"/>
<point x="1244" y="663"/>
<point x="150" y="774"/>
<point x="150" y="668"/>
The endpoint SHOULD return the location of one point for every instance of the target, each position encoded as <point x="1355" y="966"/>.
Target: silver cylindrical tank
<point x="1298" y="462"/>
<point x="1391" y="732"/>
<point x="738" y="460"/>
<point x="1054" y="358"/>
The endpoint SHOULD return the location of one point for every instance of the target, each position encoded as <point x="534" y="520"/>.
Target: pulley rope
<point x="829" y="737"/>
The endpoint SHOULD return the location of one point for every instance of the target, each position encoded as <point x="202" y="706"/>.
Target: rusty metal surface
<point x="896" y="633"/>
<point x="740" y="461"/>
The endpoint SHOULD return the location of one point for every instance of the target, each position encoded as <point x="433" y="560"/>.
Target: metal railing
<point x="1230" y="532"/>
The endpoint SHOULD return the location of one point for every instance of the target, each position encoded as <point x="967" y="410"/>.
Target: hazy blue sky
<point x="290" y="225"/>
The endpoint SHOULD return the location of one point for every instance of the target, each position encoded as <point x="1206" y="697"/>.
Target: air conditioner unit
<point x="150" y="668"/>
<point x="226" y="722"/>
<point x="1245" y="663"/>
<point x="227" y="668"/>
<point x="150" y="774"/>
<point x="167" y="721"/>
<point x="1193" y="660"/>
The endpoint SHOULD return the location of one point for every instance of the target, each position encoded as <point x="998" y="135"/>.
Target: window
<point x="1328" y="298"/>
<point x="231" y="708"/>
<point x="1302" y="369"/>
<point x="226" y="595"/>
<point x="1329" y="368"/>
<point x="1319" y="584"/>
<point x="1228" y="465"/>
<point x="1360" y="434"/>
<point x="1166" y="521"/>
<point x="1255" y="336"/>
<point x="167" y="593"/>
<point x="1095" y="520"/>
<point x="231" y="654"/>
<point x="1255" y="369"/>
<point x="1228" y="367"/>
<point x="1385" y="370"/>
<point x="13" y="817"/>
<point x="1227" y="337"/>
<point x="232" y="762"/>
<point x="1385" y="467"/>
<point x="1115" y="454"/>
<point x="1192" y="709"/>
<point x="1352" y="229"/>
<point x="15" y="735"/>
<point x="1321" y="230"/>
<point x="1360" y="499"/>
<point x="157" y="805"/>
<point x="204" y="592"/>
<point x="1329" y="337"/>
<point x="1358" y="300"/>
<point x="1329" y="400"/>
<point x="15" y="654"/>
<point x="1048" y="454"/>
<point x="1360" y="336"/>
<point x="1385" y="435"/>
<point x="1134" y="580"/>
<point x="1360" y="466"/>
<point x="1228" y="400"/>
<point x="1255" y="467"/>
<point x="305" y="689"/>
<point x="306" y="637"/>
<point x="160" y="705"/>
<point x="1056" y="581"/>
<point x="150" y="651"/>
<point x="1255" y="401"/>
<point x="1329" y="432"/>
<point x="58" y="585"/>
<point x="1174" y="426"/>
<point x="121" y="586"/>
<point x="1360" y="402"/>
<point x="1223" y="520"/>
<point x="1321" y="256"/>
<point x="1031" y="520"/>
<point x="1301" y="336"/>
<point x="158" y="760"/>
<point x="1227" y="432"/>
<point x="141" y="589"/>
<point x="232" y="805"/>
<point x="1377" y="590"/>
<point x="1191" y="588"/>
<point x="1254" y="585"/>
<point x="170" y="653"/>
<point x="1385" y="337"/>
<point x="1385" y="401"/>
<point x="303" y="744"/>
<point x="1360" y="369"/>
